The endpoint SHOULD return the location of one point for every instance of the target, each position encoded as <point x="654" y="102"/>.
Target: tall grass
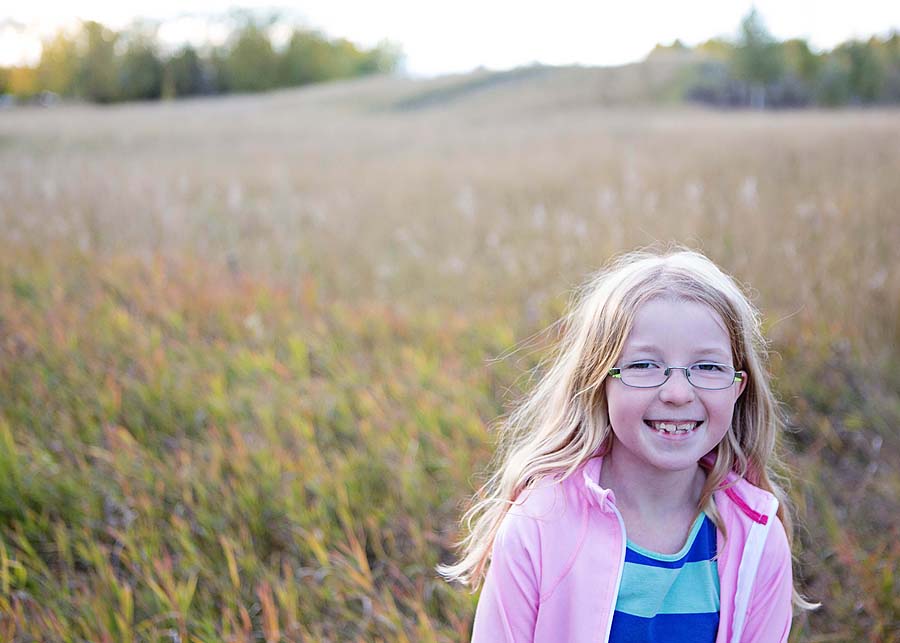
<point x="250" y="349"/>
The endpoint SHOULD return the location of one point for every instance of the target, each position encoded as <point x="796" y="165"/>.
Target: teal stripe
<point x="647" y="591"/>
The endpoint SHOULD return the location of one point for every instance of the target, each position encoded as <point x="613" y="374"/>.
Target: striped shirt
<point x="670" y="597"/>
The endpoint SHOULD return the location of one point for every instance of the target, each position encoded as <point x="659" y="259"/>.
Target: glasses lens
<point x="712" y="376"/>
<point x="643" y="374"/>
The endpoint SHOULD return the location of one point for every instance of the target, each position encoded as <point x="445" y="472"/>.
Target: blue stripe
<point x="671" y="628"/>
<point x="703" y="548"/>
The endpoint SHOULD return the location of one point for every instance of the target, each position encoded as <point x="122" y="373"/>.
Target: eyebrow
<point x="703" y="352"/>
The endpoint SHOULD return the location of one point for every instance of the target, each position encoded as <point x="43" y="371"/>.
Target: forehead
<point x="678" y="325"/>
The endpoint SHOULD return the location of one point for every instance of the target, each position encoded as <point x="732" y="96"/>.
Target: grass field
<point x="251" y="348"/>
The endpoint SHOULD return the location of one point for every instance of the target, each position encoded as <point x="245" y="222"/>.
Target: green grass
<point x="250" y="349"/>
<point x="263" y="464"/>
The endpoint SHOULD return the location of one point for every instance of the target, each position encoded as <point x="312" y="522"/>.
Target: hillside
<point x="660" y="79"/>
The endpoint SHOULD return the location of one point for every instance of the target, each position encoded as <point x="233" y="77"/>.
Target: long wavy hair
<point x="564" y="421"/>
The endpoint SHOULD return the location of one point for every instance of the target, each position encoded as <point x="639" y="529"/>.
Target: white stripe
<point x="615" y="595"/>
<point x="753" y="549"/>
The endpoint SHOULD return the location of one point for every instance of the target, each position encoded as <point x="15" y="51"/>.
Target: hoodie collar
<point x="597" y="495"/>
<point x="751" y="500"/>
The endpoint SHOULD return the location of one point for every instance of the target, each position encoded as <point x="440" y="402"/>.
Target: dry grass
<point x="243" y="342"/>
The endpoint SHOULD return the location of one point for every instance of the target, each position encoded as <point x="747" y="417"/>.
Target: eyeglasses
<point x="709" y="376"/>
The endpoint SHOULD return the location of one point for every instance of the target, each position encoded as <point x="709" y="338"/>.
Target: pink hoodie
<point x="558" y="557"/>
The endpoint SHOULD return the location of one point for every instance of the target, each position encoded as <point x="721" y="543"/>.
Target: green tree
<point x="186" y="74"/>
<point x="677" y="48"/>
<point x="58" y="66"/>
<point x="140" y="69"/>
<point x="800" y="60"/>
<point x="865" y="75"/>
<point x="387" y="57"/>
<point x="757" y="58"/>
<point x="216" y="62"/>
<point x="250" y="64"/>
<point x="310" y="57"/>
<point x="833" y="86"/>
<point x="97" y="78"/>
<point x="347" y="59"/>
<point x="305" y="59"/>
<point x="717" y="48"/>
<point x="889" y="51"/>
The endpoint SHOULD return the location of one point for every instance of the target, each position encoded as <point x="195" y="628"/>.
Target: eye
<point x="644" y="365"/>
<point x="709" y="367"/>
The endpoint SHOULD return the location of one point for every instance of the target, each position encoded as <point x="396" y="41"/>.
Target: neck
<point x="649" y="491"/>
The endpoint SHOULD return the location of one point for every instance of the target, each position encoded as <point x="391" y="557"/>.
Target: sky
<point x="450" y="37"/>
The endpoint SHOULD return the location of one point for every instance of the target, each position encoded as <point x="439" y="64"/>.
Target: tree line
<point x="756" y="70"/>
<point x="101" y="65"/>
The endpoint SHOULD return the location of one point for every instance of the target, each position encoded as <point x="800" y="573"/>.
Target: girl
<point x="634" y="498"/>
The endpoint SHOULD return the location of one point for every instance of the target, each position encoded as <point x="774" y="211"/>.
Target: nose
<point x="677" y="389"/>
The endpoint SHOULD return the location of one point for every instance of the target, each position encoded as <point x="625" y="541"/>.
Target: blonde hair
<point x="563" y="421"/>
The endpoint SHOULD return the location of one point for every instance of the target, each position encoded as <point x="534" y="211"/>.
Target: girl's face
<point x="672" y="333"/>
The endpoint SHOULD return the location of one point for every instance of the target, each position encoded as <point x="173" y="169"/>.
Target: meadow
<point x="252" y="349"/>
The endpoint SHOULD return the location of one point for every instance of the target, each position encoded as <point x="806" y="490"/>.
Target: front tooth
<point x="670" y="427"/>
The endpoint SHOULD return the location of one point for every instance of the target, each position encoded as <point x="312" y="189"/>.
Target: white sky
<point x="446" y="37"/>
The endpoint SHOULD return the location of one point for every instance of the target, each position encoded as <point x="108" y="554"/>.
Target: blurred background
<point x="269" y="276"/>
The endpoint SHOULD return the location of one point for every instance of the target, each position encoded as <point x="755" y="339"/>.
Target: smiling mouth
<point x="672" y="427"/>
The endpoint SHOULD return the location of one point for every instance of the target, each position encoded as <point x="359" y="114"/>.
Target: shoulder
<point x="750" y="515"/>
<point x="744" y="502"/>
<point x="777" y="549"/>
<point x="764" y="534"/>
<point x="543" y="532"/>
<point x="549" y="499"/>
<point x="548" y="504"/>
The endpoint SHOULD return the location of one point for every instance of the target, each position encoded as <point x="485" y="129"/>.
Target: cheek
<point x="725" y="412"/>
<point x="623" y="408"/>
<point x="612" y="401"/>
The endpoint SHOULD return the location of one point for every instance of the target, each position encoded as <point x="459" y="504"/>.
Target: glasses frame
<point x="616" y="373"/>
